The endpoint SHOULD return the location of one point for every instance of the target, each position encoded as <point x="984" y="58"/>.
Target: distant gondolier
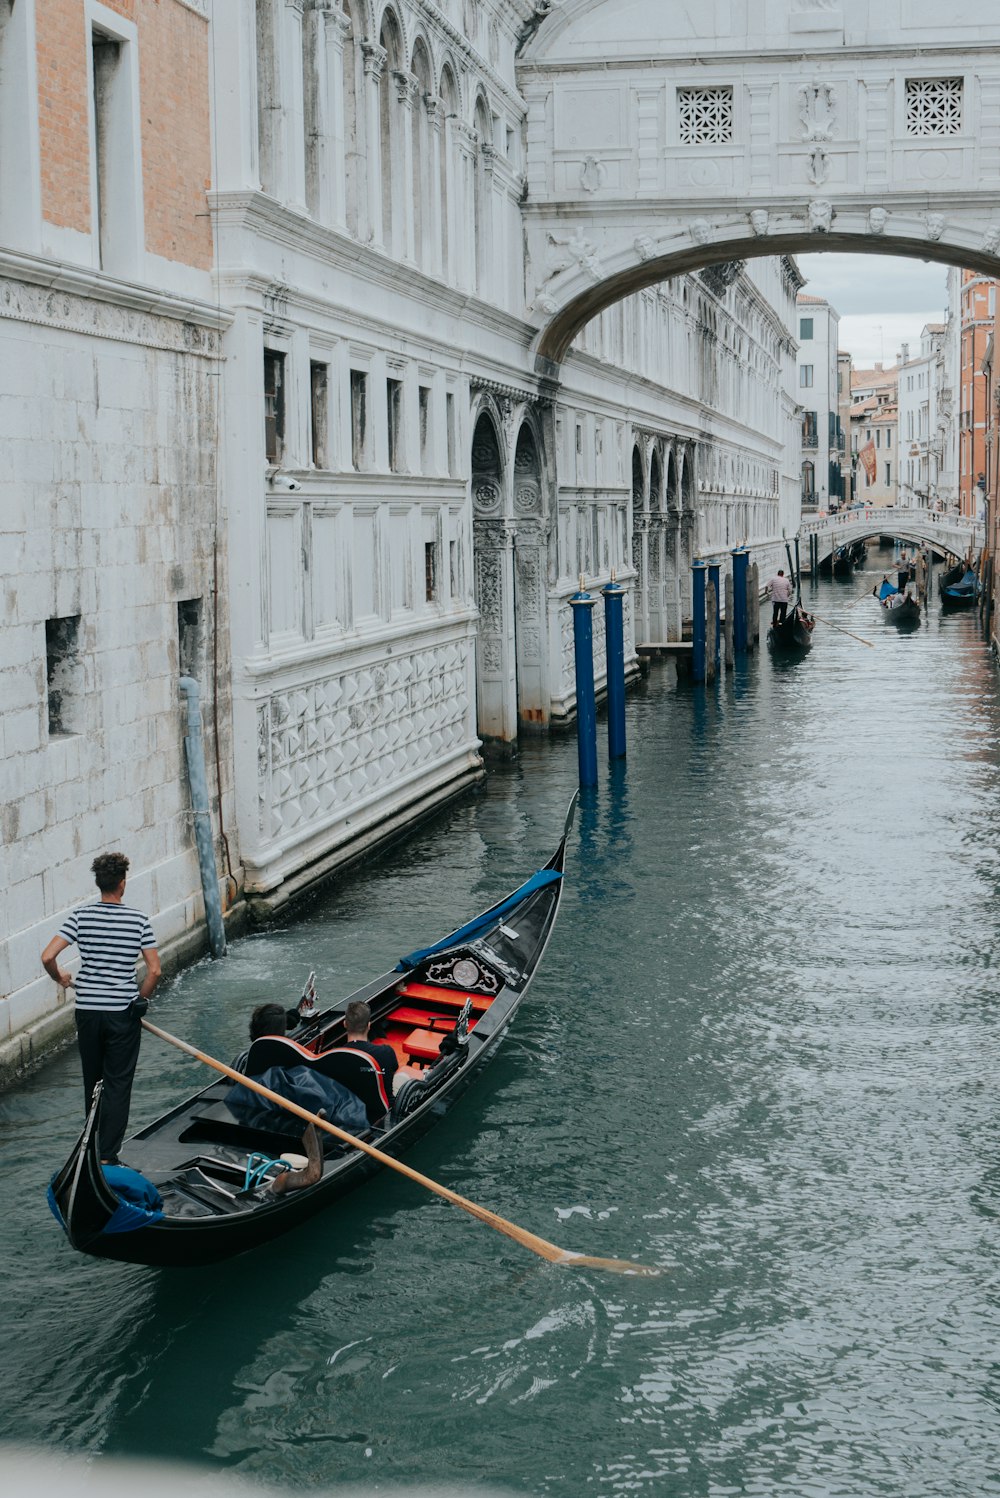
<point x="109" y="1002"/>
<point x="781" y="591"/>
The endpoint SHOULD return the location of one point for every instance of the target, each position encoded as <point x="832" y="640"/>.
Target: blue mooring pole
<point x="614" y="637"/>
<point x="586" y="710"/>
<point x="698" y="571"/>
<point x="715" y="625"/>
<point x="741" y="561"/>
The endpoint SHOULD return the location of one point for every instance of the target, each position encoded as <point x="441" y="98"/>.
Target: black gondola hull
<point x="163" y="1152"/>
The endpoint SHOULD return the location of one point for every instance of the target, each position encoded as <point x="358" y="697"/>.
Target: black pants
<point x="778" y="612"/>
<point x="109" y="1049"/>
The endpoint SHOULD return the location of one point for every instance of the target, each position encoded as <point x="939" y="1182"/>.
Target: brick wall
<point x="174" y="122"/>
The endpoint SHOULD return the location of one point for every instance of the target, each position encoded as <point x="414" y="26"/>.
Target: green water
<point x="761" y="1054"/>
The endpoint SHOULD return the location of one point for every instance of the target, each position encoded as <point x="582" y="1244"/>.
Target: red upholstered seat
<point x="452" y="997"/>
<point x="424" y="1045"/>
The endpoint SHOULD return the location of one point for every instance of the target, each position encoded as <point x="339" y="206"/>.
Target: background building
<point x="977" y="302"/>
<point x="924" y="419"/>
<point x="817" y="369"/>
<point x="874" y="435"/>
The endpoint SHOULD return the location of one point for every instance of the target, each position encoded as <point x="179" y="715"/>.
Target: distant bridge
<point x="944" y="532"/>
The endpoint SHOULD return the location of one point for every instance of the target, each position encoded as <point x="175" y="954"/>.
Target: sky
<point x="883" y="301"/>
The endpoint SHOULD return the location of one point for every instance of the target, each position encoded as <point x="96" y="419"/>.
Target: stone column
<point x="376" y="58"/>
<point x="403" y="190"/>
<point x="495" y="657"/>
<point x="435" y="125"/>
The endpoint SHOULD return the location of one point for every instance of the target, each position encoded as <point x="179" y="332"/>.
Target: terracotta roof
<point x="818" y="301"/>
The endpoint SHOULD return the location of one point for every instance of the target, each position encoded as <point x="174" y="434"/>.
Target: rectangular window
<point x="64" y="676"/>
<point x="453" y="567"/>
<point x="394" y="420"/>
<point x="424" y="414"/>
<point x="449" y="408"/>
<point x="810" y="429"/>
<point x="888" y="436"/>
<point x="190" y="638"/>
<point x="359" y="418"/>
<point x="878" y="437"/>
<point x="319" y="414"/>
<point x="888" y="474"/>
<point x="805" y="376"/>
<point x="107" y="56"/>
<point x="805" y="328"/>
<point x="705" y="115"/>
<point x="430" y="571"/>
<point x="933" y="106"/>
<point x="274" y="406"/>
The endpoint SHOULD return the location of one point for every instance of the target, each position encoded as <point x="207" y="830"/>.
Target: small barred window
<point x="933" y="106"/>
<point x="706" y="115"/>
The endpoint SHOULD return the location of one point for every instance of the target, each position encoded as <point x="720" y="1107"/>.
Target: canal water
<point x="762" y="1054"/>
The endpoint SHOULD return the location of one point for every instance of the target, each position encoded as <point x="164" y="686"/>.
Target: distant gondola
<point x="962" y="591"/>
<point x="444" y="1009"/>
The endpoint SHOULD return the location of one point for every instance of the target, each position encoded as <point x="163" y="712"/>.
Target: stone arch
<point x="492" y="535"/>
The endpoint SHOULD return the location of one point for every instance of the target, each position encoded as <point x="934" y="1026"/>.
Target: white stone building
<point x="819" y="397"/>
<point x="411" y="504"/>
<point x="924" y="421"/>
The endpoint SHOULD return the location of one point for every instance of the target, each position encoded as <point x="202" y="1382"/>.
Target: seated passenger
<point x="267" y="1019"/>
<point x="357" y="1022"/>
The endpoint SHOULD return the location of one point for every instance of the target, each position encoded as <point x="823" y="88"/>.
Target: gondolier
<point x="109" y="1002"/>
<point x="781" y="591"/>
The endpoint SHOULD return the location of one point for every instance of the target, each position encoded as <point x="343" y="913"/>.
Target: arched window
<point x="449" y="110"/>
<point x="390" y="141"/>
<point x="808" y="483"/>
<point x="656" y="483"/>
<point x="422" y="145"/>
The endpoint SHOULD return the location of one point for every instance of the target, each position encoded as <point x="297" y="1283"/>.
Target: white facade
<point x="924" y="422"/>
<point x="112" y="580"/>
<point x="819" y="397"/>
<point x="404" y="548"/>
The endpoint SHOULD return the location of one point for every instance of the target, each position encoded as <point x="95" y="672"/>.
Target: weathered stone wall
<point x="108" y="493"/>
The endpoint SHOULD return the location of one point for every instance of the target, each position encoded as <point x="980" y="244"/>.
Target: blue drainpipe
<point x="194" y="748"/>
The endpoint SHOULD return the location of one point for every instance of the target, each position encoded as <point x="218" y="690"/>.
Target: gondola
<point x="962" y="591"/>
<point x="907" y="612"/>
<point x="794" y="634"/>
<point x="444" y="1009"/>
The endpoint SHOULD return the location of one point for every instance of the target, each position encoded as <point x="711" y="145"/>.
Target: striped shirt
<point x="110" y="938"/>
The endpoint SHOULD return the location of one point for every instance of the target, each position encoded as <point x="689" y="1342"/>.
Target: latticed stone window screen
<point x="933" y="106"/>
<point x="705" y="115"/>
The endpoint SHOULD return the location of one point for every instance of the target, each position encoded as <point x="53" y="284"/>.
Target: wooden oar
<point x="830" y="624"/>
<point x="541" y="1246"/>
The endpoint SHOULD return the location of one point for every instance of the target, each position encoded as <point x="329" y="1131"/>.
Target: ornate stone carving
<point x="375" y="58"/>
<point x="935" y="224"/>
<point x="407" y="88"/>
<point x="487" y="498"/>
<point x="719" y="278"/>
<point x="817" y="111"/>
<point x="819" y="166"/>
<point x="81" y="314"/>
<point x="644" y="247"/>
<point x="701" y="230"/>
<point x="527" y="498"/>
<point x="877" y="220"/>
<point x="820" y="215"/>
<point x="562" y="254"/>
<point x="324" y="745"/>
<point x="592" y="174"/>
<point x="758" y="221"/>
<point x="991" y="239"/>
